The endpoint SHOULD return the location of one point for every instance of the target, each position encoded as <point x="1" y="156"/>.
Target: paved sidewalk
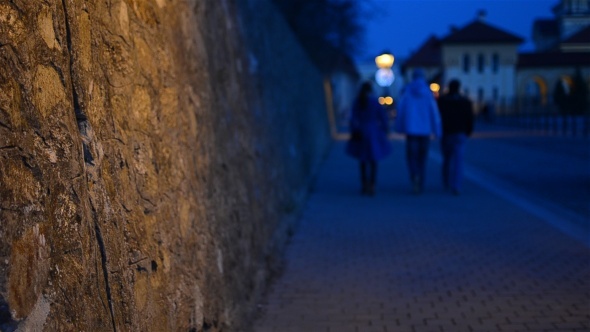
<point x="434" y="262"/>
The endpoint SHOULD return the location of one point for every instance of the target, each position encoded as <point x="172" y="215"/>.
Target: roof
<point x="553" y="59"/>
<point x="546" y="27"/>
<point x="428" y="55"/>
<point x="580" y="37"/>
<point x="478" y="32"/>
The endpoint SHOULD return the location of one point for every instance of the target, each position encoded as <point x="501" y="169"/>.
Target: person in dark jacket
<point x="368" y="142"/>
<point x="457" y="118"/>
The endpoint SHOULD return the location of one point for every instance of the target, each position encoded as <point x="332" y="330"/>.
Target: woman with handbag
<point x="368" y="141"/>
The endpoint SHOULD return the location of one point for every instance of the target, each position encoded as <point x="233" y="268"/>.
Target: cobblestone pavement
<point x="434" y="262"/>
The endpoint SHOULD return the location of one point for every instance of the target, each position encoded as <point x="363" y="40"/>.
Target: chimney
<point x="481" y="15"/>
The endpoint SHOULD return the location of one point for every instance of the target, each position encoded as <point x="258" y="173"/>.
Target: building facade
<point x="486" y="60"/>
<point x="562" y="53"/>
<point x="486" y="72"/>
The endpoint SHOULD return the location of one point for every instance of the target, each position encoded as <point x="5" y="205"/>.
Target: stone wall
<point x="153" y="155"/>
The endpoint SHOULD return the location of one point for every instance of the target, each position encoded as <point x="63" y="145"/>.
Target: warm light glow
<point x="542" y="89"/>
<point x="381" y="100"/>
<point x="384" y="61"/>
<point x="434" y="87"/>
<point x="388" y="100"/>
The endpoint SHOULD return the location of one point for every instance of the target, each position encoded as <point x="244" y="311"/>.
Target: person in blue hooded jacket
<point x="368" y="142"/>
<point x="418" y="118"/>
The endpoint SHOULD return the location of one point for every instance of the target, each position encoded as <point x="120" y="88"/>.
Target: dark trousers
<point x="368" y="172"/>
<point x="453" y="147"/>
<point x="416" y="154"/>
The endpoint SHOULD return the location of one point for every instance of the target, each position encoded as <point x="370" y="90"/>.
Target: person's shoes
<point x="365" y="189"/>
<point x="446" y="186"/>
<point x="416" y="189"/>
<point x="417" y="186"/>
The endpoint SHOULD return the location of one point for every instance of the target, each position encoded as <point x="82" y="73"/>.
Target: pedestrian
<point x="368" y="136"/>
<point x="418" y="118"/>
<point x="457" y="117"/>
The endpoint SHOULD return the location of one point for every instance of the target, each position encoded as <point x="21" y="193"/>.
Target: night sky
<point x="401" y="26"/>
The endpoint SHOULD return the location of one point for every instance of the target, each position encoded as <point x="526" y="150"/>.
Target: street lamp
<point x="384" y="75"/>
<point x="435" y="88"/>
<point x="385" y="60"/>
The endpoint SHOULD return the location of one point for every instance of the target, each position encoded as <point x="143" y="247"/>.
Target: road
<point x="553" y="171"/>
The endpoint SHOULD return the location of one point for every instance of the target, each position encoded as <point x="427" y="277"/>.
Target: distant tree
<point x="327" y="29"/>
<point x="579" y="94"/>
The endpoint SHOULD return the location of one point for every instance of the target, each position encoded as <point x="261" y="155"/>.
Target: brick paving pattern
<point x="434" y="262"/>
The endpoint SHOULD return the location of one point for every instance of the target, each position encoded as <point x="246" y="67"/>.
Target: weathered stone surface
<point x="152" y="153"/>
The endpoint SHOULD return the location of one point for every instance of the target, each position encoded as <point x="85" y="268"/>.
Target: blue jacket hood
<point x="418" y="88"/>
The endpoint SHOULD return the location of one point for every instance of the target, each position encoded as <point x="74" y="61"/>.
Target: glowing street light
<point x="385" y="60"/>
<point x="435" y="88"/>
<point x="384" y="76"/>
<point x="388" y="100"/>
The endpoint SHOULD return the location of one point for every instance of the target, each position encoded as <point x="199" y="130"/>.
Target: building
<point x="486" y="60"/>
<point x="428" y="57"/>
<point x="562" y="53"/>
<point x="483" y="57"/>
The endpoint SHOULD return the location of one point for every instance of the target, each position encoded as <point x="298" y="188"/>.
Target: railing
<point x="549" y="122"/>
<point x="534" y="115"/>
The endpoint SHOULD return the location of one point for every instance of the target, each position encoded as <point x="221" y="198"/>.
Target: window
<point x="481" y="62"/>
<point x="480" y="95"/>
<point x="466" y="63"/>
<point x="495" y="62"/>
<point x="579" y="7"/>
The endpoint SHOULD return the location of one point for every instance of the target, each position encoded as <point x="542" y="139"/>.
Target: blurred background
<point x="527" y="61"/>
